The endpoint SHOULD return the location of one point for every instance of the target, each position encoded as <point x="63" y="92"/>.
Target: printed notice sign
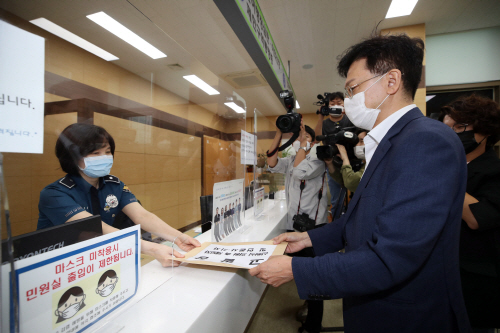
<point x="22" y="64"/>
<point x="248" y="155"/>
<point x="227" y="208"/>
<point x="70" y="289"/>
<point x="238" y="255"/>
<point x="258" y="201"/>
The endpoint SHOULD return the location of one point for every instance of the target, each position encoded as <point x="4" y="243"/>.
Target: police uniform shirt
<point x="71" y="195"/>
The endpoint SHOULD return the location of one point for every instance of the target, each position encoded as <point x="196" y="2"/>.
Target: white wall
<point x="463" y="57"/>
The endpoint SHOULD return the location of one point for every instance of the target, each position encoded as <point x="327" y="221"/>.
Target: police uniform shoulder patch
<point x="111" y="178"/>
<point x="68" y="182"/>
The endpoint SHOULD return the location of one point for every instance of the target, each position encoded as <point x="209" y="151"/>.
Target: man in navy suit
<point x="399" y="272"/>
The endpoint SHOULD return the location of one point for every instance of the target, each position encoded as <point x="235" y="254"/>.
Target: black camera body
<point x="302" y="222"/>
<point x="329" y="149"/>
<point x="290" y="122"/>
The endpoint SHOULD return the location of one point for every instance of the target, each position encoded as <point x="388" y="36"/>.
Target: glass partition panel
<point x="170" y="140"/>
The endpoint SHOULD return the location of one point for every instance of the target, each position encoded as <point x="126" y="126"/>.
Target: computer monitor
<point x="48" y="239"/>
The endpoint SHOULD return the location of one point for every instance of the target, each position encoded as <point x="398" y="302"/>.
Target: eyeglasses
<point x="459" y="128"/>
<point x="349" y="90"/>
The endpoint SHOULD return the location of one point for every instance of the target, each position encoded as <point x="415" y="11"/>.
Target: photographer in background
<point x="346" y="176"/>
<point x="335" y="118"/>
<point x="306" y="199"/>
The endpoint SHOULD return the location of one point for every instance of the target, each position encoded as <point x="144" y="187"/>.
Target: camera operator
<point x="346" y="176"/>
<point x="306" y="199"/>
<point x="335" y="118"/>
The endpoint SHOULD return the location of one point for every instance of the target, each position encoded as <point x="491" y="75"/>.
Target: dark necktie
<point x="94" y="198"/>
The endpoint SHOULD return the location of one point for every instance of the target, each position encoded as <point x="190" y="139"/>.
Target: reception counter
<point x="195" y="298"/>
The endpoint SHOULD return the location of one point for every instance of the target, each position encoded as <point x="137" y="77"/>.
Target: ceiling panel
<point x="194" y="34"/>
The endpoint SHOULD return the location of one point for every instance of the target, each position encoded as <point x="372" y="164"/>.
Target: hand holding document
<point x="237" y="255"/>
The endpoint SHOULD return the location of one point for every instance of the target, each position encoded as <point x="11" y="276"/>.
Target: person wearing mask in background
<point x="304" y="181"/>
<point x="327" y="126"/>
<point x="400" y="270"/>
<point x="85" y="153"/>
<point x="346" y="176"/>
<point x="476" y="120"/>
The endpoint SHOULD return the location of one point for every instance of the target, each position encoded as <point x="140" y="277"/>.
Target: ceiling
<point x="195" y="35"/>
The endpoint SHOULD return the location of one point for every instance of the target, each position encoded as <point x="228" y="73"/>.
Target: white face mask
<point x="296" y="146"/>
<point x="359" y="151"/>
<point x="334" y="110"/>
<point x="358" y="113"/>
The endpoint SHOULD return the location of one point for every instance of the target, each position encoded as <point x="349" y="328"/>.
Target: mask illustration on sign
<point x="107" y="283"/>
<point x="70" y="303"/>
<point x="359" y="152"/>
<point x="357" y="112"/>
<point x="98" y="166"/>
<point x="469" y="141"/>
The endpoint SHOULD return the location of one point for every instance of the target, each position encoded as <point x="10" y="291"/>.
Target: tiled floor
<point x="276" y="312"/>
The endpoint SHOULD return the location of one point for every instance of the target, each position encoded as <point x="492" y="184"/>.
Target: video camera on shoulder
<point x="326" y="109"/>
<point x="342" y="136"/>
<point x="290" y="122"/>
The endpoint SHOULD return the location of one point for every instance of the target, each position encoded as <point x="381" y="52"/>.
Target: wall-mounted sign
<point x="22" y="66"/>
<point x="228" y="208"/>
<point x="248" y="23"/>
<point x="70" y="289"/>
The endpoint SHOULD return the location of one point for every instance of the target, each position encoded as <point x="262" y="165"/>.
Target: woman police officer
<point x="85" y="153"/>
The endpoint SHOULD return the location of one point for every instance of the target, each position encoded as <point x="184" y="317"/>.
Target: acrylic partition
<point x="173" y="141"/>
<point x="265" y="131"/>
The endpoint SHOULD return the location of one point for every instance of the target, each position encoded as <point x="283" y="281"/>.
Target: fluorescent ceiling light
<point x="235" y="107"/>
<point x="201" y="84"/>
<point x="72" y="38"/>
<point x="297" y="106"/>
<point x="400" y="8"/>
<point x="116" y="28"/>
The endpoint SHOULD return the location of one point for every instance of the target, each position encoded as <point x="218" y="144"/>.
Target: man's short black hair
<point x="310" y="131"/>
<point x="334" y="95"/>
<point x="383" y="53"/>
<point x="77" y="141"/>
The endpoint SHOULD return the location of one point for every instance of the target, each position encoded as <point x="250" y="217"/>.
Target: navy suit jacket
<point x="399" y="272"/>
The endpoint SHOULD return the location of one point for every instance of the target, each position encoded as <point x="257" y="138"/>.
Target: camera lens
<point x="284" y="123"/>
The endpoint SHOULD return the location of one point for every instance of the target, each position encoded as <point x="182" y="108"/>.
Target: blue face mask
<point x="98" y="166"/>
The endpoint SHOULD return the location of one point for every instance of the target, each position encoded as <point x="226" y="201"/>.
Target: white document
<point x="246" y="256"/>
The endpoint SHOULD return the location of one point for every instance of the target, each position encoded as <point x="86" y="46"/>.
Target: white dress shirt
<point x="375" y="136"/>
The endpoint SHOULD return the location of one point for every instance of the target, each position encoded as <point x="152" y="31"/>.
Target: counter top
<point x="196" y="298"/>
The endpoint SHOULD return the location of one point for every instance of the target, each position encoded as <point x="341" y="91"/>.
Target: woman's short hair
<point x="481" y="112"/>
<point x="77" y="141"/>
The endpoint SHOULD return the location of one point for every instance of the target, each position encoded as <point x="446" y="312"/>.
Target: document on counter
<point x="237" y="255"/>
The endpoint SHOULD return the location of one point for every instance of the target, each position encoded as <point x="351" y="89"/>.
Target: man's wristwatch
<point x="305" y="149"/>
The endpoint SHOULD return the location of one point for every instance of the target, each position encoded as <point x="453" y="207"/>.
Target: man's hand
<point x="296" y="241"/>
<point x="163" y="254"/>
<point x="186" y="243"/>
<point x="275" y="271"/>
<point x="343" y="153"/>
